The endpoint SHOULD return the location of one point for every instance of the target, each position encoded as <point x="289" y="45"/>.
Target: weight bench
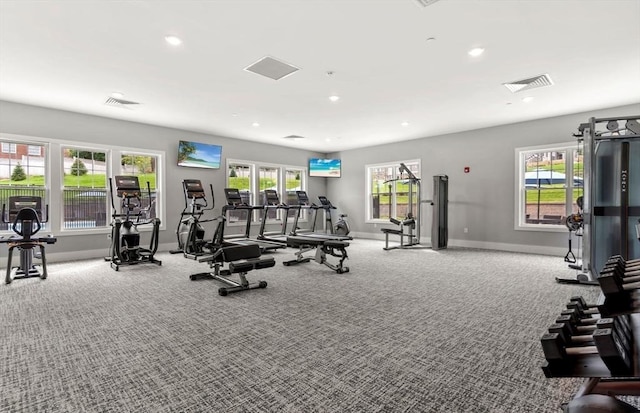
<point x="410" y="223"/>
<point x="241" y="259"/>
<point x="322" y="247"/>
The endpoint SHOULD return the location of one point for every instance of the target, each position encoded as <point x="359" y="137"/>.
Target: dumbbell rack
<point x="622" y="303"/>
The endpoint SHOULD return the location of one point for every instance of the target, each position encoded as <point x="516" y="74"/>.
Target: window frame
<point x="54" y="170"/>
<point x="254" y="185"/>
<point x="108" y="169"/>
<point x="368" y="188"/>
<point x="520" y="223"/>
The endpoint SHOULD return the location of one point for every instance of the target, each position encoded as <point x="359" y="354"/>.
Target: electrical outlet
<point x="466" y="230"/>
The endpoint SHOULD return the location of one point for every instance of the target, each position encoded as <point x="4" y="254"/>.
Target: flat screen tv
<point x="325" y="168"/>
<point x="199" y="155"/>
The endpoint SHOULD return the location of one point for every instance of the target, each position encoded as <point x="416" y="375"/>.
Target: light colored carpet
<point x="404" y="331"/>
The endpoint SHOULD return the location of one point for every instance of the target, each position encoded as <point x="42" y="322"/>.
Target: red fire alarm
<point x="467" y="169"/>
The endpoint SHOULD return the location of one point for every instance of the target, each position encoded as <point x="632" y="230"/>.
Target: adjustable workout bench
<point x="323" y="247"/>
<point x="241" y="259"/>
<point x="411" y="238"/>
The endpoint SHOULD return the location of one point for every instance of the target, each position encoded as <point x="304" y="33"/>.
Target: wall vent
<point x="271" y="68"/>
<point x="120" y="103"/>
<point x="424" y="3"/>
<point x="531" y="83"/>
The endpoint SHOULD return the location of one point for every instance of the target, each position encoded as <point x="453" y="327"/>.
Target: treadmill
<point x="235" y="203"/>
<point x="304" y="203"/>
<point x="272" y="203"/>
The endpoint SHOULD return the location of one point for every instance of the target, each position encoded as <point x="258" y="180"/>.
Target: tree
<point x="186" y="149"/>
<point x="232" y="173"/>
<point x="18" y="173"/>
<point x="78" y="168"/>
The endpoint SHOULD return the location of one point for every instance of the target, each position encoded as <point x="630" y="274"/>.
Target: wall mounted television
<point x="199" y="155"/>
<point x="325" y="168"/>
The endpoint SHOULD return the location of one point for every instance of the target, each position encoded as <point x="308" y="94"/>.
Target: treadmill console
<point x="271" y="197"/>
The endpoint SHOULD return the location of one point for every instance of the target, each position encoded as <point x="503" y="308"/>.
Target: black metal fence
<point x="81" y="207"/>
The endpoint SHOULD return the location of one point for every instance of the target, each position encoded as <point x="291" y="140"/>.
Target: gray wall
<point x="61" y="125"/>
<point x="482" y="200"/>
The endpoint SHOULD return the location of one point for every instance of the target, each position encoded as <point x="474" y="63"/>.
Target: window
<point x="8" y="147"/>
<point x="22" y="174"/>
<point x="387" y="194"/>
<point x="239" y="177"/>
<point x="85" y="197"/>
<point x="268" y="179"/>
<point x="293" y="182"/>
<point x="252" y="178"/>
<point x="145" y="167"/>
<point x="72" y="179"/>
<point x="548" y="185"/>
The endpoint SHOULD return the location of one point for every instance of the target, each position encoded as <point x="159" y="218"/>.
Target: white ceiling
<point x="72" y="55"/>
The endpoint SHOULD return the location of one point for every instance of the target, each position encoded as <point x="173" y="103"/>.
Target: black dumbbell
<point x="620" y="259"/>
<point x="577" y="335"/>
<point x="623" y="270"/>
<point x="613" y="282"/>
<point x="614" y="351"/>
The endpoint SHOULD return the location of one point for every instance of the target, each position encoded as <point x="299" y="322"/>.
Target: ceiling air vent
<point x="271" y="68"/>
<point x="424" y="3"/>
<point x="294" y="137"/>
<point x="120" y="103"/>
<point x="531" y="83"/>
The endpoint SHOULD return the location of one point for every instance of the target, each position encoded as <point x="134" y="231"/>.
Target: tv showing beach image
<point x="199" y="155"/>
<point x="326" y="168"/>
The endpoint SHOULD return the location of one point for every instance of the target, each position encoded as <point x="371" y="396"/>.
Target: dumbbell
<point x="613" y="281"/>
<point x="581" y="314"/>
<point x="581" y="307"/>
<point x="580" y="334"/>
<point x="620" y="259"/>
<point x="613" y="348"/>
<point x="621" y="268"/>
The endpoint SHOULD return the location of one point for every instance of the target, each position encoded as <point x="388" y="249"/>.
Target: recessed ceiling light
<point x="405" y="124"/>
<point x="334" y="98"/>
<point x="173" y="40"/>
<point x="117" y="95"/>
<point x="327" y="139"/>
<point x="255" y="124"/>
<point x="476" y="52"/>
<point x="527" y="99"/>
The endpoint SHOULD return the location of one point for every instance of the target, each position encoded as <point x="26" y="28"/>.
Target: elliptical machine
<point x="190" y="232"/>
<point x="125" y="237"/>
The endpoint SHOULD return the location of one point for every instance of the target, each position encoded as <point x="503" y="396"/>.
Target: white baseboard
<point x="76" y="255"/>
<point x="530" y="249"/>
<point x="498" y="246"/>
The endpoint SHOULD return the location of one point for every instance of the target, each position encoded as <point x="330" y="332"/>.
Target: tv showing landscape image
<point x="325" y="168"/>
<point x="199" y="155"/>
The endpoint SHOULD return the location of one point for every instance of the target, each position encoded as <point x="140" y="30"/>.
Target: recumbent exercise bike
<point x="23" y="215"/>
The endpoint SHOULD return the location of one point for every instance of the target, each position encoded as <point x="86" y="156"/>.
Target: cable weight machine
<point x="611" y="193"/>
<point x="408" y="229"/>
